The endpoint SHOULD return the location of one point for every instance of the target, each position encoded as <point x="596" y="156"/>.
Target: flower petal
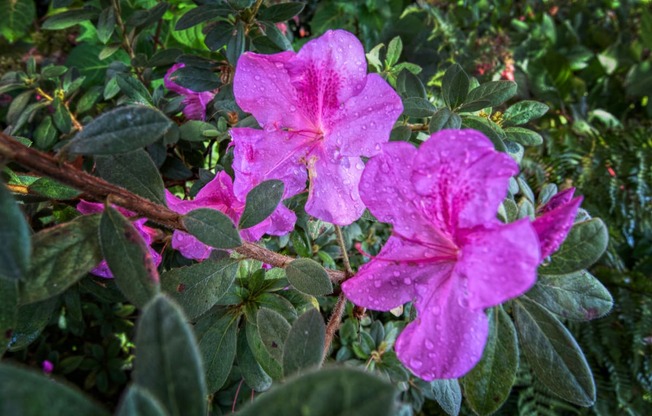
<point x="261" y="155"/>
<point x="173" y="86"/>
<point x="262" y="87"/>
<point x="553" y="226"/>
<point x="365" y="121"/>
<point x="466" y="178"/>
<point x="559" y="199"/>
<point x="281" y="222"/>
<point x="497" y="264"/>
<point x="445" y="340"/>
<point x="326" y="72"/>
<point x="333" y="194"/>
<point x="397" y="275"/>
<point x="189" y="246"/>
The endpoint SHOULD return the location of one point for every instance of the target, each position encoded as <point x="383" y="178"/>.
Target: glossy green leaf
<point x="444" y="118"/>
<point x="193" y="130"/>
<point x="17" y="106"/>
<point x="584" y="245"/>
<point x="121" y="130"/>
<point x="28" y="393"/>
<point x="488" y="128"/>
<point x="254" y="375"/>
<point x="409" y="85"/>
<point x="524" y="111"/>
<point x="17" y="18"/>
<point x="281" y="12"/>
<point x="69" y="18"/>
<point x="8" y="311"/>
<point x="304" y="345"/>
<point x="394" y="50"/>
<point x="523" y="136"/>
<point x="61" y="117"/>
<point x="418" y="107"/>
<point x="488" y="384"/>
<point x="201" y="14"/>
<point x="106" y="24"/>
<point x="134" y="171"/>
<point x="277" y="37"/>
<point x="144" y="18"/>
<point x="198" y="287"/>
<point x="273" y="330"/>
<point x="578" y="296"/>
<point x="30" y="321"/>
<point x="218" y="36"/>
<point x="309" y="277"/>
<point x="490" y="94"/>
<point x="212" y="227"/>
<point x="61" y="256"/>
<point x="447" y="394"/>
<point x="329" y="392"/>
<point x="139" y="402"/>
<point x="128" y="257"/>
<point x="196" y="79"/>
<point x="217" y="347"/>
<point x="52" y="189"/>
<point x="46" y="134"/>
<point x="262" y="201"/>
<point x="553" y="354"/>
<point x="134" y="89"/>
<point x="15" y="244"/>
<point x="454" y="86"/>
<point x="267" y="362"/>
<point x="168" y="363"/>
<point x="400" y="134"/>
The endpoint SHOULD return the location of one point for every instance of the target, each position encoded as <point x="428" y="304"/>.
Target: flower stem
<point x="345" y="256"/>
<point x="334" y="323"/>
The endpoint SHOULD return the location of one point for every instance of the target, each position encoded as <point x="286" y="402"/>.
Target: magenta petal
<point x="559" y="199"/>
<point x="446" y="340"/>
<point x="193" y="108"/>
<point x="397" y="275"/>
<point x="553" y="226"/>
<point x="173" y="86"/>
<point x="333" y="194"/>
<point x="504" y="257"/>
<point x="464" y="175"/>
<point x="259" y="155"/>
<point x="366" y="120"/>
<point x="262" y="87"/>
<point x="189" y="246"/>
<point x="102" y="270"/>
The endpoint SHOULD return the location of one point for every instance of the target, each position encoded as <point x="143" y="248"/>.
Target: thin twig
<point x="99" y="190"/>
<point x="334" y="323"/>
<point x="345" y="255"/>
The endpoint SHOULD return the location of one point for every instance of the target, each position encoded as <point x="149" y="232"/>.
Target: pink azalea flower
<point x="218" y="194"/>
<point x="320" y="111"/>
<point x="147" y="233"/>
<point x="448" y="252"/>
<point x="194" y="102"/>
<point x="556" y="220"/>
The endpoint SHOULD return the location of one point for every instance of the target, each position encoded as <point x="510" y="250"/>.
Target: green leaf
<point x="281" y="12"/>
<point x="139" y="402"/>
<point x="444" y="118"/>
<point x="69" y="18"/>
<point x="212" y="227"/>
<point x="15" y="244"/>
<point x="53" y="71"/>
<point x="488" y="128"/>
<point x="31" y="320"/>
<point x="17" y="106"/>
<point x="488" y="384"/>
<point x="201" y="14"/>
<point x="168" y="362"/>
<point x="61" y="117"/>
<point x="198" y="287"/>
<point x="18" y="397"/>
<point x="276" y="36"/>
<point x="8" y="312"/>
<point x="329" y="392"/>
<point x="524" y="111"/>
<point x="52" y="189"/>
<point x="526" y="137"/>
<point x="193" y="130"/>
<point x="309" y="277"/>
<point x="273" y="330"/>
<point x="143" y="18"/>
<point x="304" y="345"/>
<point x="400" y="134"/>
<point x="61" y="256"/>
<point x="262" y="201"/>
<point x="578" y="296"/>
<point x="553" y="354"/>
<point x="217" y="346"/>
<point x="254" y="375"/>
<point x="121" y="130"/>
<point x="134" y="171"/>
<point x="584" y="245"/>
<point x="218" y="36"/>
<point x="454" y="86"/>
<point x="196" y="79"/>
<point x="46" y="134"/>
<point x="409" y="85"/>
<point x="88" y="99"/>
<point x="106" y="24"/>
<point x="270" y="365"/>
<point x="490" y="94"/>
<point x="394" y="50"/>
<point x="447" y="394"/>
<point x="128" y="257"/>
<point x="236" y="43"/>
<point x="134" y="89"/>
<point x="418" y="107"/>
<point x="17" y="18"/>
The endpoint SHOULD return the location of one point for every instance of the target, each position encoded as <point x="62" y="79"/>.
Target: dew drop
<point x="293" y="108"/>
<point x="359" y="165"/>
<point x="416" y="363"/>
<point x="257" y="77"/>
<point x="429" y="345"/>
<point x="436" y="310"/>
<point x="407" y="281"/>
<point x="397" y="273"/>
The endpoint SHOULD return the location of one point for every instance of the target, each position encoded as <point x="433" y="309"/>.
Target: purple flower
<point x="218" y="195"/>
<point x="194" y="102"/>
<point x="320" y="112"/>
<point x="47" y="366"/>
<point x="147" y="233"/>
<point x="448" y="252"/>
<point x="556" y="220"/>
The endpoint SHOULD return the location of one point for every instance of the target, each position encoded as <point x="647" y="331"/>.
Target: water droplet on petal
<point x="377" y="283"/>
<point x="359" y="165"/>
<point x="463" y="301"/>
<point x="407" y="281"/>
<point x="416" y="363"/>
<point x="293" y="108"/>
<point x="257" y="77"/>
<point x="436" y="310"/>
<point x="429" y="345"/>
<point x="397" y="273"/>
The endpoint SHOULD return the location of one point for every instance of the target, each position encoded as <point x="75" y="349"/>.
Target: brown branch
<point x="99" y="190"/>
<point x="333" y="324"/>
